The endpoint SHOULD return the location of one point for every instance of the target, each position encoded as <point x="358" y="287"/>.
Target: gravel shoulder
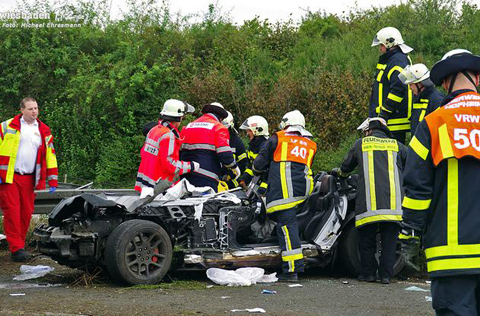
<point x="191" y="294"/>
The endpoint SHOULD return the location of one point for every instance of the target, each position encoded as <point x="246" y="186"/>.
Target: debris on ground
<point x="250" y="310"/>
<point x="416" y="289"/>
<point x="269" y="292"/>
<point x="21" y="286"/>
<point x="345" y="282"/>
<point x="295" y="285"/>
<point x="17" y="294"/>
<point x="32" y="272"/>
<point x="240" y="277"/>
<point x="428" y="298"/>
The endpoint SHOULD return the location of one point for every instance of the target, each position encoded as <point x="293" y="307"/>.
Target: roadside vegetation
<point x="98" y="84"/>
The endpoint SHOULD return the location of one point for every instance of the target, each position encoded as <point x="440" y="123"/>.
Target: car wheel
<point x="349" y="252"/>
<point x="138" y="252"/>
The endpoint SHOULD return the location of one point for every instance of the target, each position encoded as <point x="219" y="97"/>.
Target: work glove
<point x="146" y="191"/>
<point x="52" y="189"/>
<point x="236" y="172"/>
<point x="335" y="172"/>
<point x="195" y="166"/>
<point x="410" y="248"/>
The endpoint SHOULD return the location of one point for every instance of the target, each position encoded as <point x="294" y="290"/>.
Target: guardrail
<point x="45" y="202"/>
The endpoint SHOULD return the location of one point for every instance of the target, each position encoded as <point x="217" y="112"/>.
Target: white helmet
<point x="365" y="126"/>
<point x="175" y="109"/>
<point x="257" y="124"/>
<point x="228" y="121"/>
<point x="414" y="74"/>
<point x="390" y="36"/>
<point x="292" y="118"/>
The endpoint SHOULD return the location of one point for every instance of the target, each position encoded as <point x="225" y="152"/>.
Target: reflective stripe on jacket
<point x="206" y="141"/>
<point x="288" y="158"/>
<point x="254" y="147"/>
<point x="390" y="98"/>
<point x="160" y="156"/>
<point x="441" y="186"/>
<point x="46" y="168"/>
<point x="380" y="163"/>
<point x="428" y="101"/>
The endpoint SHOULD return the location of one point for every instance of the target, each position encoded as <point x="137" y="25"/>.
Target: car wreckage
<point x="139" y="240"/>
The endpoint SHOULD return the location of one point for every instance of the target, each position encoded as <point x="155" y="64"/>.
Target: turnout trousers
<point x="289" y="240"/>
<point x="17" y="204"/>
<point x="368" y="248"/>
<point x="456" y="295"/>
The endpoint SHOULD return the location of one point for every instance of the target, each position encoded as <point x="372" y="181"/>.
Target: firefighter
<point x="390" y="99"/>
<point x="441" y="182"/>
<point x="27" y="162"/>
<point x="426" y="97"/>
<point x="288" y="156"/>
<point x="379" y="196"/>
<point x="206" y="140"/>
<point x="238" y="149"/>
<point x="256" y="127"/>
<point x="160" y="153"/>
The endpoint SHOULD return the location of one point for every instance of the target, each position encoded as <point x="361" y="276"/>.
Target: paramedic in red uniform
<point x="160" y="153"/>
<point x="27" y="161"/>
<point x="207" y="141"/>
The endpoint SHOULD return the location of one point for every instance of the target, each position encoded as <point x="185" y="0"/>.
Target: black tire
<point x="138" y="252"/>
<point x="349" y="252"/>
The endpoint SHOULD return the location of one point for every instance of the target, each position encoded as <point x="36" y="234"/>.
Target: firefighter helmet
<point x="455" y="61"/>
<point x="174" y="109"/>
<point x="414" y="74"/>
<point x="390" y="37"/>
<point x="257" y="124"/>
<point x="228" y="121"/>
<point x="291" y="119"/>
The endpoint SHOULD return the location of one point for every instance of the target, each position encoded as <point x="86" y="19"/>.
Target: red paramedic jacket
<point x="160" y="156"/>
<point x="207" y="141"/>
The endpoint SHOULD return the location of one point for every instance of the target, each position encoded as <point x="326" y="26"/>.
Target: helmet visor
<point x="376" y="41"/>
<point x="245" y="125"/>
<point x="188" y="108"/>
<point x="404" y="76"/>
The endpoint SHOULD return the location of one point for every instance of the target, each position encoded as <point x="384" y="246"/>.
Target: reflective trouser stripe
<point x="288" y="244"/>
<point x="452" y="202"/>
<point x="284" y="204"/>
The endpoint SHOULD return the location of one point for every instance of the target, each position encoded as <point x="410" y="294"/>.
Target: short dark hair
<point x="25" y="100"/>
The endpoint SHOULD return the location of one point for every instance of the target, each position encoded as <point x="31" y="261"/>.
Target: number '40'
<point x="299" y="151"/>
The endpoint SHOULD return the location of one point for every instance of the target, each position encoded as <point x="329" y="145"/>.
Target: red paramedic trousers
<point x="17" y="203"/>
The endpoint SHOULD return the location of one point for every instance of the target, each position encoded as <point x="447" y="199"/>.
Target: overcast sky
<point x="240" y="10"/>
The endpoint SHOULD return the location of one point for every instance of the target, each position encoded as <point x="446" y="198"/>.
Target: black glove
<point x="410" y="248"/>
<point x="335" y="172"/>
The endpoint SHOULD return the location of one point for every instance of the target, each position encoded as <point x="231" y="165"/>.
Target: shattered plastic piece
<point x="250" y="310"/>
<point x="209" y="286"/>
<point x="225" y="297"/>
<point x="17" y="294"/>
<point x="295" y="285"/>
<point x="269" y="292"/>
<point x="428" y="298"/>
<point x="32" y="272"/>
<point x="416" y="289"/>
<point x="428" y="282"/>
<point x="345" y="282"/>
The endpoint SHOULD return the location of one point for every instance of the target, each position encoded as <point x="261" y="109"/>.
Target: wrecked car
<point x="138" y="240"/>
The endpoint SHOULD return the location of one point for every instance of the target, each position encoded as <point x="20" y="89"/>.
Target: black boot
<point x="288" y="277"/>
<point x="20" y="255"/>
